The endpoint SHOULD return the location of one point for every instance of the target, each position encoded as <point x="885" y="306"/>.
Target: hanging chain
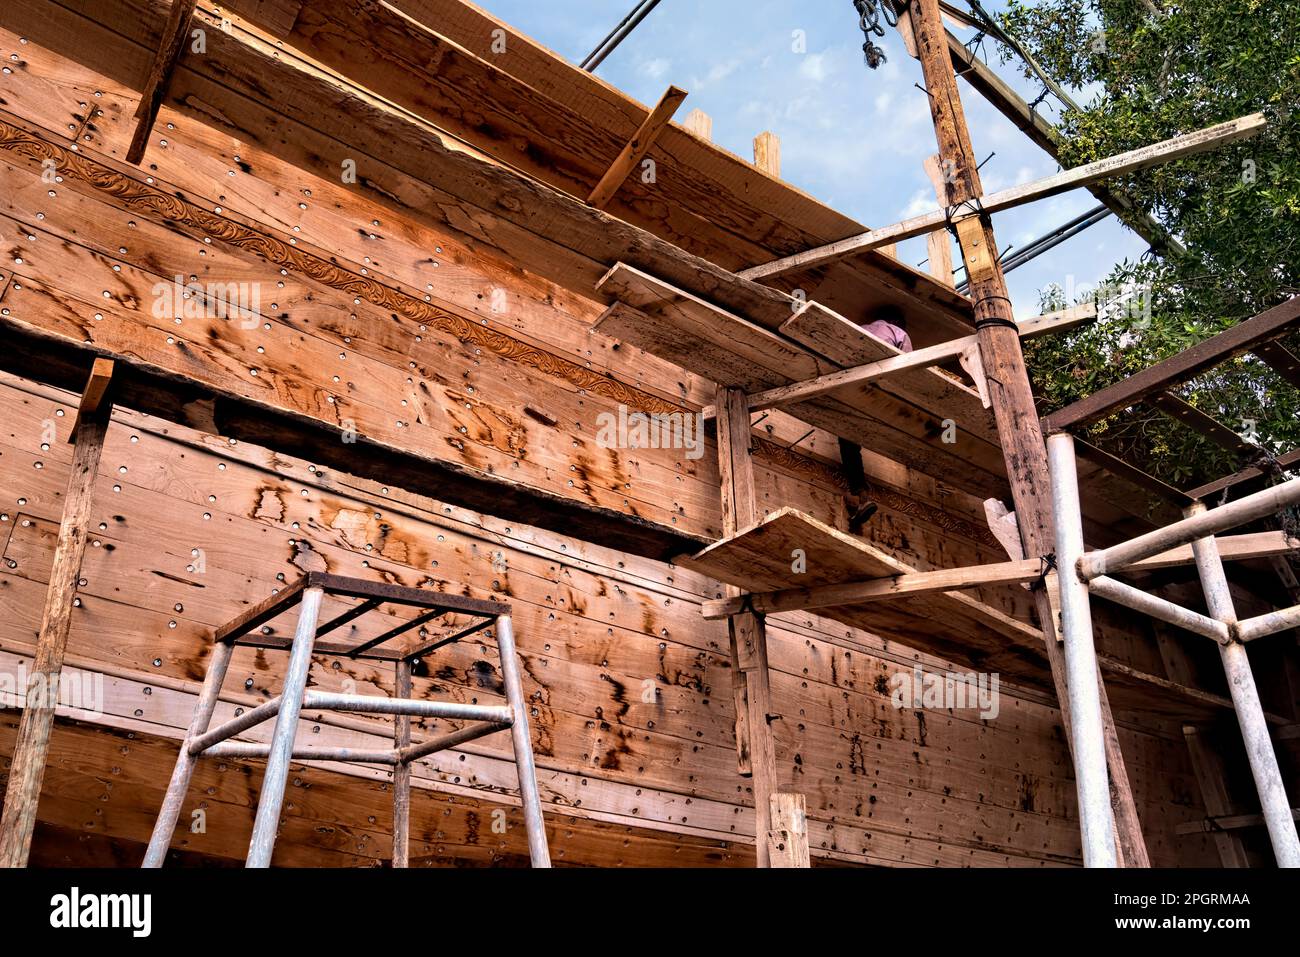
<point x="870" y="13"/>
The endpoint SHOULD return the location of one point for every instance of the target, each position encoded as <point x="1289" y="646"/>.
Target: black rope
<point x="1046" y="565"/>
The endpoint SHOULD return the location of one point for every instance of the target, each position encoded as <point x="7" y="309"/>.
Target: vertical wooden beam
<point x="747" y="631"/>
<point x="789" y="835"/>
<point x="938" y="242"/>
<point x="1011" y="397"/>
<point x="160" y="74"/>
<point x="737" y="483"/>
<point x="27" y="769"/>
<point x="767" y="153"/>
<point x="699" y="123"/>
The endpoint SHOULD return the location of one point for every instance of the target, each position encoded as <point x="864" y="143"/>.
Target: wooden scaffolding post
<point x="27" y="769"/>
<point x="1019" y="431"/>
<point x="754" y="741"/>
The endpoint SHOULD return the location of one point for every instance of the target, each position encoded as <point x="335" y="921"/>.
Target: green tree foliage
<point x="1151" y="69"/>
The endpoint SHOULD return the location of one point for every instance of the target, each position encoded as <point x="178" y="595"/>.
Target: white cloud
<point x="655" y="69"/>
<point x="922" y="201"/>
<point x="814" y="67"/>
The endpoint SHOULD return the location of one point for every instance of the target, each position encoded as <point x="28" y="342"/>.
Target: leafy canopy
<point x="1150" y="70"/>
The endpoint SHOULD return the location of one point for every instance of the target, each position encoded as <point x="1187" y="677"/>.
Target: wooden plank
<point x="842" y="342"/>
<point x="1251" y="474"/>
<point x="27" y="768"/>
<point x="767" y="153"/>
<point x="675" y="325"/>
<point x="789" y="550"/>
<point x="637" y="147"/>
<point x="906" y="418"/>
<point x="700" y="124"/>
<point x="160" y="74"/>
<point x="1243" y="337"/>
<point x="788" y="838"/>
<point x="1188" y="144"/>
<point x="62" y="361"/>
<point x="857" y="591"/>
<point x="540" y="114"/>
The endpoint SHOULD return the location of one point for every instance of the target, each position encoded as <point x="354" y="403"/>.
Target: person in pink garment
<point x="888" y="324"/>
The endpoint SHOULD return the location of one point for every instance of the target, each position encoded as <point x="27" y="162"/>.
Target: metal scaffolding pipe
<point x="1096" y="820"/>
<point x="1156" y="607"/>
<point x="267" y="822"/>
<point x="163" y="828"/>
<point x="538" y="852"/>
<point x="254" y="716"/>
<point x="239" y="749"/>
<point x="1269" y="624"/>
<point x="1204" y="523"/>
<point x="454" y="739"/>
<point x="373" y="704"/>
<point x="1245" y="701"/>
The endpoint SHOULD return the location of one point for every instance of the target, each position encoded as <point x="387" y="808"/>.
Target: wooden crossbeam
<point x="1227" y="822"/>
<point x="1182" y="411"/>
<point x="929" y="356"/>
<point x="1231" y="548"/>
<point x="1243" y="337"/>
<point x="637" y="147"/>
<point x="1251" y="473"/>
<point x="1120" y="165"/>
<point x="876" y="589"/>
<point x="164" y="62"/>
<point x="1131" y="473"/>
<point x="1281" y="360"/>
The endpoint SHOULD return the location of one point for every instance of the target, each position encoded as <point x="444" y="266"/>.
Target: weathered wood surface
<point x="506" y="379"/>
<point x="593" y="636"/>
<point x="558" y="123"/>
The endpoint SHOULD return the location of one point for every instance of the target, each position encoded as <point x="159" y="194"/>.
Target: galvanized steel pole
<point x="1096" y="820"/>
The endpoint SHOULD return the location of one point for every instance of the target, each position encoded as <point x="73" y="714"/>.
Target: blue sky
<point x="853" y="138"/>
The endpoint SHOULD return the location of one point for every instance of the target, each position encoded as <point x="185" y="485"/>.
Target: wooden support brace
<point x="1012" y="400"/>
<point x="27" y="769"/>
<point x="1118" y="165"/>
<point x="938" y="243"/>
<point x="160" y="74"/>
<point x="637" y="147"/>
<point x="754" y="740"/>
